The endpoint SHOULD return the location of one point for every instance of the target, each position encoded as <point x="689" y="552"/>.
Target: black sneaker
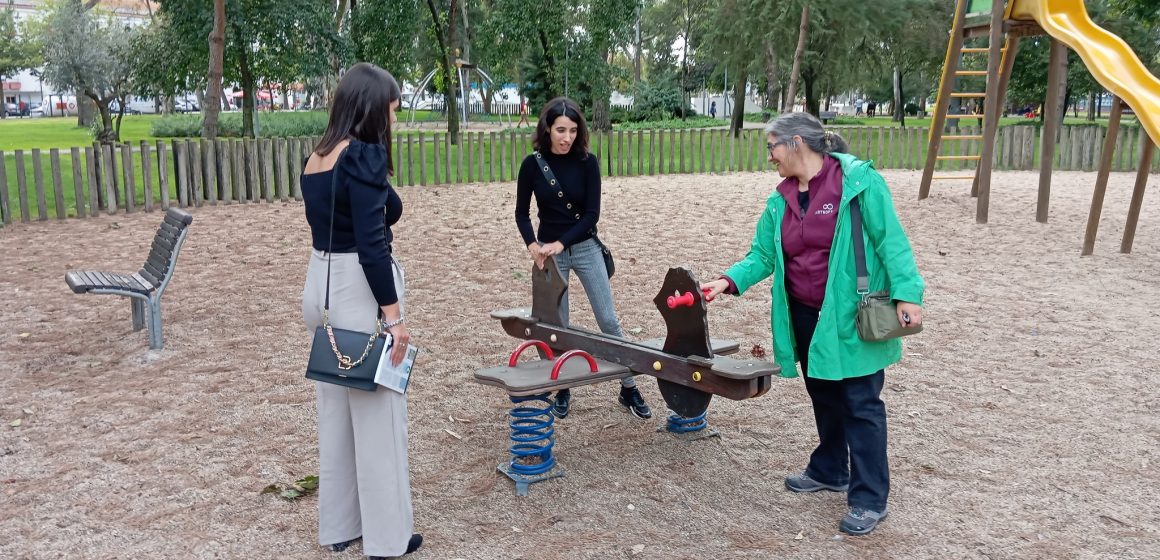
<point x="563" y="403"/>
<point x="339" y="547"/>
<point x="412" y="545"/>
<point x="804" y="483"/>
<point x="631" y="399"/>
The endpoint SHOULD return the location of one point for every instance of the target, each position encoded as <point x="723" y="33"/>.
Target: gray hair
<point x="813" y="134"/>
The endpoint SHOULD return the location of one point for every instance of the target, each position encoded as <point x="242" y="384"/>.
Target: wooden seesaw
<point x="690" y="367"/>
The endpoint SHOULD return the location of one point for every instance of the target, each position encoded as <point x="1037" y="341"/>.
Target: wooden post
<point x="253" y="182"/>
<point x="281" y="180"/>
<point x="436" y="141"/>
<point x="147" y="175"/>
<point x="991" y="114"/>
<point x="5" y="209"/>
<point x="661" y="152"/>
<point x="491" y="174"/>
<point x="94" y="183"/>
<point x="1093" y="224"/>
<point x="78" y="183"/>
<point x="652" y="134"/>
<point x="38" y="177"/>
<point x="1147" y="148"/>
<point x="296" y="168"/>
<point x="620" y="156"/>
<point x="163" y="174"/>
<point x="22" y="187"/>
<point x="241" y="191"/>
<point x="129" y="180"/>
<point x="209" y="171"/>
<point x="463" y="137"/>
<point x="1057" y="72"/>
<point x="197" y="168"/>
<point x="57" y="184"/>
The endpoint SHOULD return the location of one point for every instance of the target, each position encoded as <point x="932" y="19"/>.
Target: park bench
<point x="146" y="285"/>
<point x="827" y="116"/>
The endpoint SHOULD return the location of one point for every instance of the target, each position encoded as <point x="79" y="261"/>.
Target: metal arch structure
<point x="463" y="70"/>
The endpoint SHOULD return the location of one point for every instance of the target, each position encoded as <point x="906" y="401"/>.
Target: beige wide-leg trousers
<point x="364" y="485"/>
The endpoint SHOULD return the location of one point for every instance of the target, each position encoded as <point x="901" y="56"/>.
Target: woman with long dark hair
<point x="568" y="213"/>
<point x="364" y="485"/>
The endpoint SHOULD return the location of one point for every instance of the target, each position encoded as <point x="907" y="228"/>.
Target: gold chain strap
<point x="344" y="361"/>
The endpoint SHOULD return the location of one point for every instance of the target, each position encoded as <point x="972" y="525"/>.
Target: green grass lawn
<point x="63" y="132"/>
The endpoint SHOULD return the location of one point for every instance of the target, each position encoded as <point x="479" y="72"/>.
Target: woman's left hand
<point x="909" y="314"/>
<point x="550" y="249"/>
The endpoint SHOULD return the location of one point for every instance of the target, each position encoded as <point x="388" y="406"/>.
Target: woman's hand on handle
<point x="715" y="288"/>
<point x="909" y="314"/>
<point x="551" y="249"/>
<point x="401" y="339"/>
<point x="534" y="249"/>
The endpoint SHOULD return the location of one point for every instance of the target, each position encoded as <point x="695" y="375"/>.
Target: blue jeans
<point x="851" y="421"/>
<point x="586" y="259"/>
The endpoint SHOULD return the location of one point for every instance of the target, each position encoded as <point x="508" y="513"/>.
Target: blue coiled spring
<point x="532" y="435"/>
<point x="681" y="425"/>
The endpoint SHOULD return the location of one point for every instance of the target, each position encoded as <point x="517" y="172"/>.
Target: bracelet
<point x="392" y="324"/>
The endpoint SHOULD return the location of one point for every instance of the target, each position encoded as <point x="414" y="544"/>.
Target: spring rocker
<point x="690" y="368"/>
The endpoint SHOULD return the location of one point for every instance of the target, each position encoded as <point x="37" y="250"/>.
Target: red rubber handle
<point x="684" y="300"/>
<point x="528" y="344"/>
<point x="569" y="354"/>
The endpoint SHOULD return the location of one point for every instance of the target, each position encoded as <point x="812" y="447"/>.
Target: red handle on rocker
<point x="569" y="354"/>
<point x="528" y="344"/>
<point x="684" y="300"/>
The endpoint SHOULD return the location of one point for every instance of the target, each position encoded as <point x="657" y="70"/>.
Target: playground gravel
<point x="1024" y="422"/>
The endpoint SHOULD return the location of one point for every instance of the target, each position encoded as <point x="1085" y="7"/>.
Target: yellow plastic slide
<point x="1114" y="64"/>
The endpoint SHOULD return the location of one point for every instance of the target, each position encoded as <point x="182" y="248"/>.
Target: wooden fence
<point x="80" y="182"/>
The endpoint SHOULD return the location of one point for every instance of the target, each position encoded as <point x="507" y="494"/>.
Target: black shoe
<point x="563" y="403"/>
<point x="412" y="545"/>
<point x="860" y="521"/>
<point x="631" y="399"/>
<point x="339" y="547"/>
<point x="804" y="483"/>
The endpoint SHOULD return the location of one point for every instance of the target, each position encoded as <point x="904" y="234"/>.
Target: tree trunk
<point x="446" y="38"/>
<point x="124" y="99"/>
<point x="217" y="47"/>
<point x="811" y="101"/>
<point x="685" y="59"/>
<point x="772" y="85"/>
<point x="1091" y="112"/>
<point x="798" y="53"/>
<point x="86" y="110"/>
<point x="248" y="91"/>
<point x="899" y="105"/>
<point x="601" y="91"/>
<point x="636" y="48"/>
<point x="737" y="122"/>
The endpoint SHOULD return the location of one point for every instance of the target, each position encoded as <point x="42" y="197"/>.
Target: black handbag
<point x="609" y="263"/>
<point x="340" y="356"/>
<point x="877" y="317"/>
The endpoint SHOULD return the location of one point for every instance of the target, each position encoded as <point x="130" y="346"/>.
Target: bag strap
<point x="552" y="182"/>
<point x="330" y="241"/>
<point x="859" y="246"/>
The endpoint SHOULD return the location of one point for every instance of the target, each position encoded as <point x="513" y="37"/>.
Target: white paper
<point x="395" y="378"/>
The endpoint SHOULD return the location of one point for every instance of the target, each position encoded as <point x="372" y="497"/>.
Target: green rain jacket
<point x="836" y="351"/>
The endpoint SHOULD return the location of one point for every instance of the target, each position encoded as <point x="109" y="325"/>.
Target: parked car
<point x="11" y="110"/>
<point x="185" y="106"/>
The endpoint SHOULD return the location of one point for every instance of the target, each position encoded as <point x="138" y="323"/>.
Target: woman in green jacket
<point x="803" y="240"/>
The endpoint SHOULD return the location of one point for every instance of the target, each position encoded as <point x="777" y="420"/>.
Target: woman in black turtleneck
<point x="364" y="487"/>
<point x="568" y="213"/>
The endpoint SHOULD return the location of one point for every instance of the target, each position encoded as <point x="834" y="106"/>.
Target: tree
<point x="266" y="42"/>
<point x="798" y="53"/>
<point x="16" y="51"/>
<point x="913" y="41"/>
<point x="90" y="52"/>
<point x="445" y="32"/>
<point x="217" y="47"/>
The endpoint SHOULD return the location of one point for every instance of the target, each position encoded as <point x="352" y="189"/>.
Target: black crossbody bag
<point x="328" y="361"/>
<point x="609" y="263"/>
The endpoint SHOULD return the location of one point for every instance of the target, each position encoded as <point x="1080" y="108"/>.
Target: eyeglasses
<point x="770" y="146"/>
